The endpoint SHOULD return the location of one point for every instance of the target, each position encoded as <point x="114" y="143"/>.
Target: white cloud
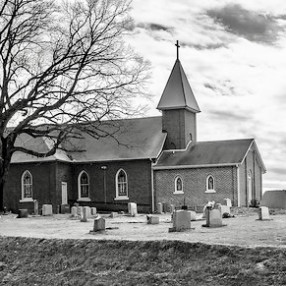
<point x="237" y="73"/>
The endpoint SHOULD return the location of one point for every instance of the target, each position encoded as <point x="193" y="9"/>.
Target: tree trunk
<point x="5" y="160"/>
<point x="1" y="195"/>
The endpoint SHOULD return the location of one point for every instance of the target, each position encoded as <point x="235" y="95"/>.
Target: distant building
<point x="157" y="159"/>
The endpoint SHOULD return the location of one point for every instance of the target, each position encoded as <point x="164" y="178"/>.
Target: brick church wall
<point x="194" y="181"/>
<point x="43" y="185"/>
<point x="139" y="184"/>
<point x="250" y="164"/>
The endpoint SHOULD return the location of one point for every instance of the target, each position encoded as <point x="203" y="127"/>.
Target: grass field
<point x="30" y="261"/>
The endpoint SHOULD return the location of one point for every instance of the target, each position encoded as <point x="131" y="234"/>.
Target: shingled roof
<point x="178" y="92"/>
<point x="208" y="154"/>
<point x="139" y="138"/>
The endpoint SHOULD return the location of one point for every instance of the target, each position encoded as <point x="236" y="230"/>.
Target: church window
<point x="179" y="185"/>
<point x="27" y="186"/>
<point x="83" y="186"/>
<point x="210" y="188"/>
<point x="121" y="185"/>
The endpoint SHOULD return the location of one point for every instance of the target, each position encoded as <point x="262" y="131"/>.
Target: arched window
<point x="27" y="186"/>
<point x="179" y="185"/>
<point x="121" y="185"/>
<point x="83" y="185"/>
<point x="210" y="188"/>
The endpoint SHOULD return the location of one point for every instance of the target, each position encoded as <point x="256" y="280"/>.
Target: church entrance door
<point x="64" y="193"/>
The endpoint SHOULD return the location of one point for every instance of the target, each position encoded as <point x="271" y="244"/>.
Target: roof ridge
<point x="225" y="140"/>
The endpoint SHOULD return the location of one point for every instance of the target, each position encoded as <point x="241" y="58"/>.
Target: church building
<point x="146" y="161"/>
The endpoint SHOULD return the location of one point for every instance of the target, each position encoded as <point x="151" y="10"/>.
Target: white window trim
<point x="119" y="198"/>
<point x="176" y="192"/>
<point x="83" y="199"/>
<point x="210" y="191"/>
<point x="22" y="188"/>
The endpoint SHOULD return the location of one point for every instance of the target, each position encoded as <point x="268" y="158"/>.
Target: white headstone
<point x="213" y="217"/>
<point x="152" y="219"/>
<point x="228" y="202"/>
<point x="88" y="211"/>
<point x="172" y="208"/>
<point x="36" y="207"/>
<point x="79" y="211"/>
<point x="93" y="211"/>
<point x="264" y="213"/>
<point x="224" y="209"/>
<point x="132" y="209"/>
<point x="47" y="210"/>
<point x="159" y="208"/>
<point x="99" y="224"/>
<point x="193" y="215"/>
<point x="74" y="211"/>
<point x="84" y="214"/>
<point x="181" y="220"/>
<point x="114" y="214"/>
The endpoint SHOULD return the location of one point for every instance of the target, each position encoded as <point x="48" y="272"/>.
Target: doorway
<point x="64" y="193"/>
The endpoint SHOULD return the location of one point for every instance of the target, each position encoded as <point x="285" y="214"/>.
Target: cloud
<point x="228" y="115"/>
<point x="154" y="27"/>
<point x="251" y="25"/>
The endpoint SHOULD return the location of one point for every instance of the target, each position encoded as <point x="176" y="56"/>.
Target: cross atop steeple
<point x="178" y="46"/>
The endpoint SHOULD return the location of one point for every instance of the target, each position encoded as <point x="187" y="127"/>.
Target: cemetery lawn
<point x="38" y="261"/>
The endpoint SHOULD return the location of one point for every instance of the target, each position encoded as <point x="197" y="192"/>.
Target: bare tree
<point x="61" y="64"/>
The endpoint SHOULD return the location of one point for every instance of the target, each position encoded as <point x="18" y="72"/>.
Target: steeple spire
<point x="179" y="108"/>
<point x="178" y="46"/>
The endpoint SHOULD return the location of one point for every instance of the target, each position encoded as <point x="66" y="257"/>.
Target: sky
<point x="234" y="55"/>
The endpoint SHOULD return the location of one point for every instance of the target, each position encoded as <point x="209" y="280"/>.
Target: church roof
<point x="208" y="154"/>
<point x="139" y="138"/>
<point x="178" y="92"/>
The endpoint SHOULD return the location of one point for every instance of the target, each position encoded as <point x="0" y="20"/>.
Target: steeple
<point x="178" y="92"/>
<point x="179" y="107"/>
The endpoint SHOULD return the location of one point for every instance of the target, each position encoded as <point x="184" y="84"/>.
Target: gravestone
<point x="99" y="224"/>
<point x="209" y="204"/>
<point x="152" y="219"/>
<point x="166" y="207"/>
<point x="228" y="202"/>
<point x="263" y="213"/>
<point x="79" y="211"/>
<point x="22" y="213"/>
<point x="114" y="214"/>
<point x="172" y="208"/>
<point x="84" y="214"/>
<point x="193" y="215"/>
<point x="225" y="209"/>
<point x="93" y="211"/>
<point x="64" y="209"/>
<point x="47" y="210"/>
<point x="74" y="211"/>
<point x="159" y="208"/>
<point x="132" y="209"/>
<point x="88" y="211"/>
<point x="36" y="207"/>
<point x="213" y="218"/>
<point x="181" y="221"/>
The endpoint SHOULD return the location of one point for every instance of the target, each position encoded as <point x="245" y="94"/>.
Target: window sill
<point x="210" y="191"/>
<point x="178" y="193"/>
<point x="84" y="200"/>
<point x="26" y="200"/>
<point x="121" y="198"/>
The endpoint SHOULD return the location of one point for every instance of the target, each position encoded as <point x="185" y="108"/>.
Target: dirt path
<point x="244" y="231"/>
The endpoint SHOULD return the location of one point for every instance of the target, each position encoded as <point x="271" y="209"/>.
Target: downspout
<point x="152" y="188"/>
<point x="238" y="186"/>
